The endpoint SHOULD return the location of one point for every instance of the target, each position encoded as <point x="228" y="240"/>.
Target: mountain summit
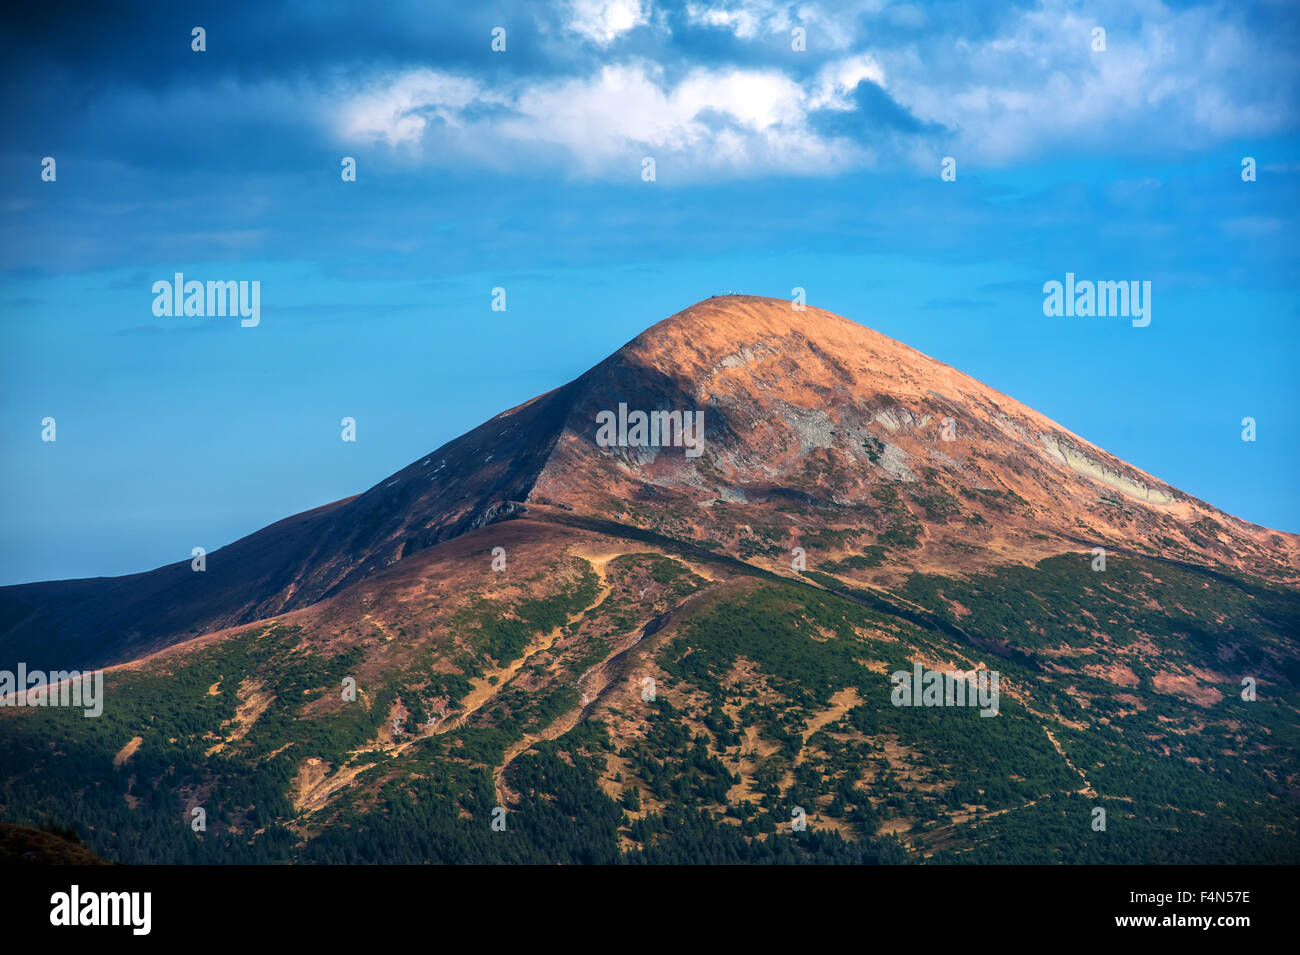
<point x="814" y="421"/>
<point x="818" y="433"/>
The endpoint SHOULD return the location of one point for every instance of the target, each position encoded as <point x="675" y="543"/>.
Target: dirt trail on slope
<point x="485" y="690"/>
<point x="1087" y="789"/>
<point x="314" y="784"/>
<point x="593" y="684"/>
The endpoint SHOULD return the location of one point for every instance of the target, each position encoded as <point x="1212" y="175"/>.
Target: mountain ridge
<point x="812" y="421"/>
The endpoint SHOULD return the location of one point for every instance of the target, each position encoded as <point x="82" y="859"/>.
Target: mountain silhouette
<point x="817" y="433"/>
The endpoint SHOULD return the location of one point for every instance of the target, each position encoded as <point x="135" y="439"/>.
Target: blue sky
<point x="775" y="168"/>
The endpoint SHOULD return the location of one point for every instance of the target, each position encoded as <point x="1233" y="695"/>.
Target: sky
<point x="781" y="160"/>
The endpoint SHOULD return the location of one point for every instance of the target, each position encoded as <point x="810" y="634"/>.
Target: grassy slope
<point x="770" y="695"/>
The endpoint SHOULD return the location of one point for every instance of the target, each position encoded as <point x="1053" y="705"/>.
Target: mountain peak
<point x="813" y="420"/>
<point x="739" y="314"/>
<point x="725" y="322"/>
<point x="814" y="432"/>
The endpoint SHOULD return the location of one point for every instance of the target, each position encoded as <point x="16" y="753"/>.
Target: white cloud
<point x="832" y="25"/>
<point x="1181" y="79"/>
<point x="742" y="20"/>
<point x="603" y="21"/>
<point x="708" y="122"/>
<point x="398" y="112"/>
<point x="1173" y="79"/>
<point x="838" y="79"/>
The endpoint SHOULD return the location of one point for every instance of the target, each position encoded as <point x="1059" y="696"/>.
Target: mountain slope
<point x="819" y="433"/>
<point x="292" y="563"/>
<point x="624" y="698"/>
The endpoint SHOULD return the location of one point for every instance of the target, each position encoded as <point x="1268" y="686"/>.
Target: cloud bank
<point x="876" y="84"/>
